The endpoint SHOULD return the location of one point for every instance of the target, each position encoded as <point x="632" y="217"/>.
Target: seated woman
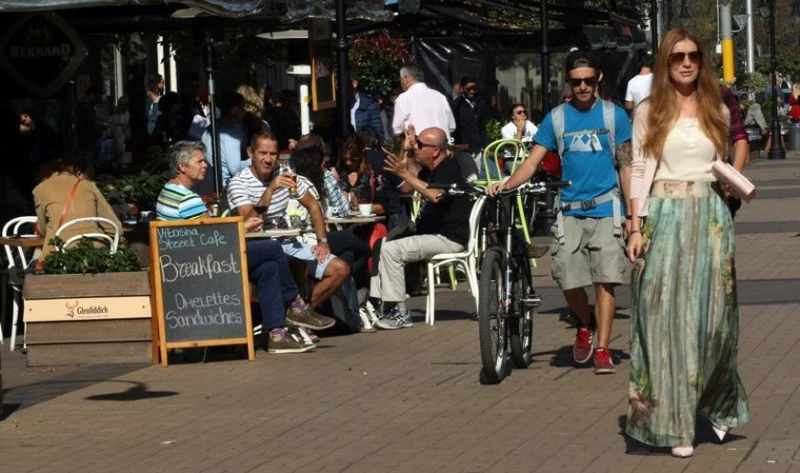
<point x="67" y="193"/>
<point x="308" y="163"/>
<point x="266" y="262"/>
<point x="358" y="182"/>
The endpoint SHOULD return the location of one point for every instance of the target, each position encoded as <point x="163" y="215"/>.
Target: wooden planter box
<point x="86" y="318"/>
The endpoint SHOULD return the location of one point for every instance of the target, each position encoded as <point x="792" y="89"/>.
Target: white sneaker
<point x="367" y="326"/>
<point x="372" y="314"/>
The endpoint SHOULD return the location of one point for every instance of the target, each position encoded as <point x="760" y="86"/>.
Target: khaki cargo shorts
<point x="588" y="254"/>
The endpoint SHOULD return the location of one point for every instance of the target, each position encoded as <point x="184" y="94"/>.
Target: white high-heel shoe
<point x="682" y="452"/>
<point x="720" y="431"/>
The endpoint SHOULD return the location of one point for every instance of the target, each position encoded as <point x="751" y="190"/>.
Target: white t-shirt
<point x="510" y="131"/>
<point x="639" y="88"/>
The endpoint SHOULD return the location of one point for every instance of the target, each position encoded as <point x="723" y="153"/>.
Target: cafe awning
<point x="286" y="11"/>
<point x="234" y="8"/>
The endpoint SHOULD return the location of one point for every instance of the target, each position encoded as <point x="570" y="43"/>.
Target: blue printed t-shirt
<point x="592" y="171"/>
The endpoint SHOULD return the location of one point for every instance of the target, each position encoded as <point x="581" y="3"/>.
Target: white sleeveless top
<point x="687" y="154"/>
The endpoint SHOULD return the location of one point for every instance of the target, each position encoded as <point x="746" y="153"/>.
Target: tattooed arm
<point x="623" y="155"/>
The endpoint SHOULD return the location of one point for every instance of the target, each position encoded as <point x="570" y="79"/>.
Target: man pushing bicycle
<point x="589" y="248"/>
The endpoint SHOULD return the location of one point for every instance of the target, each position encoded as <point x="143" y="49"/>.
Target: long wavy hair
<point x="253" y="103"/>
<point x="663" y="111"/>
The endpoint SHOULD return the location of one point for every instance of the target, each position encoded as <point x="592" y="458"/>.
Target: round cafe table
<point x="273" y="233"/>
<point x="356" y="219"/>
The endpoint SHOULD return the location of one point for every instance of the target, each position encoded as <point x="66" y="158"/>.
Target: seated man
<point x="266" y="263"/>
<point x="442" y="225"/>
<point x="258" y="185"/>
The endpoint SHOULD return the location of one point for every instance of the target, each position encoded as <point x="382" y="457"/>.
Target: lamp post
<point x="796" y="15"/>
<point x="684" y="15"/>
<point x="654" y="25"/>
<point x="342" y="70"/>
<point x="767" y="8"/>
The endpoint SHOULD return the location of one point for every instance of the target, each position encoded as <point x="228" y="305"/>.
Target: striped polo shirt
<point x="176" y="202"/>
<point x="246" y="189"/>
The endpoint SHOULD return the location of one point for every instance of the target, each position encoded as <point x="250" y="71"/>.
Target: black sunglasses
<point x="676" y="59"/>
<point x="521" y="112"/>
<point x="590" y="81"/>
<point x="421" y="145"/>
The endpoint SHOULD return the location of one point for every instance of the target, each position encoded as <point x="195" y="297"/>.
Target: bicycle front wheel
<point x="520" y="325"/>
<point x="492" y="316"/>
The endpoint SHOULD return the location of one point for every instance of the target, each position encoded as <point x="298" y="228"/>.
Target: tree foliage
<point x="378" y="58"/>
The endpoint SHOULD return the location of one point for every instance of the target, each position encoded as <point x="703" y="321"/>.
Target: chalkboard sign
<point x="323" y="87"/>
<point x="200" y="293"/>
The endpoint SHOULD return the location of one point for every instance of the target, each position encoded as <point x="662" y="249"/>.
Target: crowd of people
<point x="642" y="193"/>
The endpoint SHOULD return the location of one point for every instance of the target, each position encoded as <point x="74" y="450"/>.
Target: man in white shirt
<point x="232" y="139"/>
<point x="639" y="86"/>
<point x="420" y="105"/>
<point x="519" y="128"/>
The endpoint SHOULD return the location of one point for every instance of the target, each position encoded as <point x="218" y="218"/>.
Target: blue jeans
<point x="269" y="271"/>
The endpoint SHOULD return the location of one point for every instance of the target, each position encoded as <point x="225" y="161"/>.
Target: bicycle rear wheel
<point x="492" y="316"/>
<point x="520" y="326"/>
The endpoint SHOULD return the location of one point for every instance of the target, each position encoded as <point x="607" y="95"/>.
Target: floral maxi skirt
<point x="684" y="319"/>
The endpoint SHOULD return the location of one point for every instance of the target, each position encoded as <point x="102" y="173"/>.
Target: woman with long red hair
<point x="684" y="315"/>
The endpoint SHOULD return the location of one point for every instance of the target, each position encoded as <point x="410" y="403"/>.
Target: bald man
<point x="441" y="227"/>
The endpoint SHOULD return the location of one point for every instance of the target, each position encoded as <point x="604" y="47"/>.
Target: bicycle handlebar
<point x="538" y="187"/>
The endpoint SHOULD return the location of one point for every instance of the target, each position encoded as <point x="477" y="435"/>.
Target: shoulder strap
<point x="609" y="119"/>
<point x="67" y="203"/>
<point x="557" y="116"/>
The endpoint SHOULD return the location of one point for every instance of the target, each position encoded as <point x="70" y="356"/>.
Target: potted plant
<point x="86" y="305"/>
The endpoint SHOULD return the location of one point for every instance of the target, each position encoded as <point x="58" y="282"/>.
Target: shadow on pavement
<point x="136" y="392"/>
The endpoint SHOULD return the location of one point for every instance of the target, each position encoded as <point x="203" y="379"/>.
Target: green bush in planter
<point x="84" y="258"/>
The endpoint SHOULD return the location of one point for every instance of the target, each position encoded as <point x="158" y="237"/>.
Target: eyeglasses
<point x="421" y="145"/>
<point x="521" y="112"/>
<point x="590" y="81"/>
<point x="676" y="59"/>
<point x="470" y="89"/>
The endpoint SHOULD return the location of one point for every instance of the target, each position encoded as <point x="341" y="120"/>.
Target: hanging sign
<point x="323" y="86"/>
<point x="41" y="52"/>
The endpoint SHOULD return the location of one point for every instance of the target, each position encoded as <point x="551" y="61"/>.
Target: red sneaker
<point x="602" y="361"/>
<point x="582" y="351"/>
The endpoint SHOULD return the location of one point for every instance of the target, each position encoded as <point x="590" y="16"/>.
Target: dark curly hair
<point x="308" y="163"/>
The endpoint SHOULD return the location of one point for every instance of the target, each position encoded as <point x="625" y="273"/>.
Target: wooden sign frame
<point x="319" y="41"/>
<point x="160" y="343"/>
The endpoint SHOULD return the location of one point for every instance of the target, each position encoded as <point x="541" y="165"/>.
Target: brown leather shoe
<point x="537" y="251"/>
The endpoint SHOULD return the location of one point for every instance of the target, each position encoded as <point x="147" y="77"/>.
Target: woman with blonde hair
<point x="253" y="111"/>
<point x="794" y="104"/>
<point x="684" y="314"/>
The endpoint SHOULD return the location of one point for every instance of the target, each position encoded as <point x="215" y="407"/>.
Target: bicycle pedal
<point x="534" y="301"/>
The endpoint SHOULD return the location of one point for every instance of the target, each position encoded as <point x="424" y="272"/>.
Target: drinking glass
<point x="261" y="210"/>
<point x="286" y="167"/>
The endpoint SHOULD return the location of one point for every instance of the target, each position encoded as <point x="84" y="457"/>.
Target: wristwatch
<point x="323" y="240"/>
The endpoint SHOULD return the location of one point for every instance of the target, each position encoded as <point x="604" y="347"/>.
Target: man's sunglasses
<point x="421" y="145"/>
<point x="590" y="81"/>
<point x="521" y="112"/>
<point x="677" y="59"/>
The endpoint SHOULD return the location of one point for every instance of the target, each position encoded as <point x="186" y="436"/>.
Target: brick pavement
<point x="410" y="401"/>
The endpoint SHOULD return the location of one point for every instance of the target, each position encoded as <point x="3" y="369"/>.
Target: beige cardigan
<point x="49" y="198"/>
<point x="643" y="168"/>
